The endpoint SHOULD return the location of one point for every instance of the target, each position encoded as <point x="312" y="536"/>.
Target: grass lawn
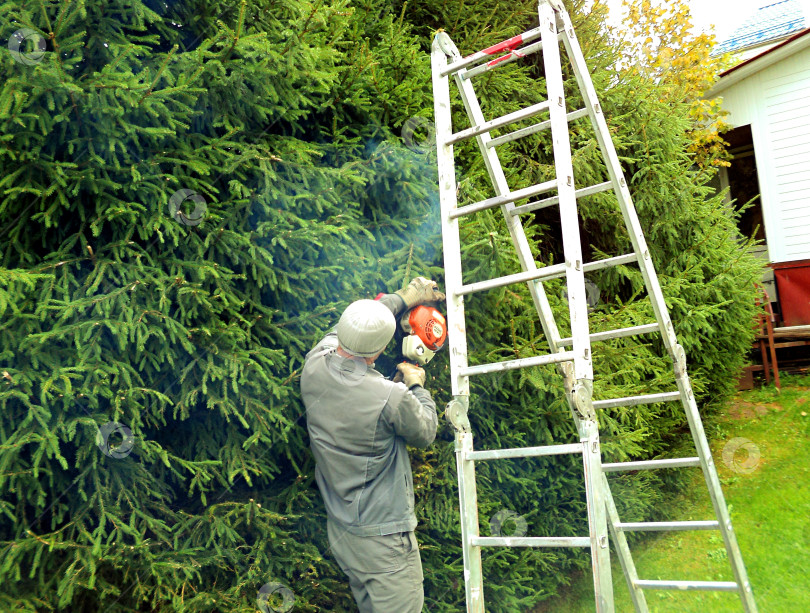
<point x="769" y="501"/>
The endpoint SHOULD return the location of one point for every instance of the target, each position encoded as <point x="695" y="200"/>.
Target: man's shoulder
<point x="327" y="343"/>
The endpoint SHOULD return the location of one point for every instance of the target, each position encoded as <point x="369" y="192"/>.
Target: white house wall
<point x="776" y="102"/>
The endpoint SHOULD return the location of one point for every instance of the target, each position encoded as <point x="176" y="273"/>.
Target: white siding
<point x="776" y="102"/>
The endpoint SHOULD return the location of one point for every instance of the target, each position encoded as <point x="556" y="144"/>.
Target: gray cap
<point x="365" y="328"/>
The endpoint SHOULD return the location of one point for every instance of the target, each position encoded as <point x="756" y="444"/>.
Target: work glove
<point x="410" y="375"/>
<point x="420" y="291"/>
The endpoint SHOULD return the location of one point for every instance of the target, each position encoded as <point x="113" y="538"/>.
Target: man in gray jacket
<point x="359" y="424"/>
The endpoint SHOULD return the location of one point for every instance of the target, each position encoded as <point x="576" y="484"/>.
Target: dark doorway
<point x="743" y="183"/>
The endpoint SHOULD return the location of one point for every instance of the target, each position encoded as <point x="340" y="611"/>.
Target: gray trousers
<point x="385" y="572"/>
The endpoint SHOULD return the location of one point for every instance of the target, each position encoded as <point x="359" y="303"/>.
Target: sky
<point x="723" y="15"/>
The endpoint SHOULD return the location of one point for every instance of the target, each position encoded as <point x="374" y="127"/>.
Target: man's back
<point x="358" y="423"/>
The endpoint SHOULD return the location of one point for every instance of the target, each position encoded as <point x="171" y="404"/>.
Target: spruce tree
<point x="191" y="193"/>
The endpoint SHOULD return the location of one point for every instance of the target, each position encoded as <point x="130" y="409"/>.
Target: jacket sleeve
<point x="394" y="302"/>
<point x="413" y="417"/>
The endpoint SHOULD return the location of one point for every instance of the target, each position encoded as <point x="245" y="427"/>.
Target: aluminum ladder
<point x="572" y="356"/>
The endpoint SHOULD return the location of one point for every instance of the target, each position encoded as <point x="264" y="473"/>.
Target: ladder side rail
<point x="578" y="309"/>
<point x="518" y="236"/>
<point x="587" y="429"/>
<point x="597" y="515"/>
<point x="513" y="223"/>
<point x="620" y="187"/>
<point x="662" y="315"/>
<point x="536" y="290"/>
<point x="525" y="257"/>
<point x="457" y="339"/>
<point x="623" y="553"/>
<point x="716" y="493"/>
<point x="566" y="195"/>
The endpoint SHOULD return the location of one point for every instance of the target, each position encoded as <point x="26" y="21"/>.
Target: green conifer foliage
<point x="190" y="192"/>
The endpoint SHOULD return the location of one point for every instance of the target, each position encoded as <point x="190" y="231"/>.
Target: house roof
<point x="773" y="21"/>
<point x="786" y="48"/>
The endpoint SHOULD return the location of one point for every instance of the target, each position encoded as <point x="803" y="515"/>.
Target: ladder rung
<point x="529" y="130"/>
<point x="507" y="45"/>
<point x="650" y="464"/>
<point x="600" y="264"/>
<point x="531" y="541"/>
<point x="538" y="360"/>
<point x="580" y="193"/>
<point x="529" y="275"/>
<point x="520" y="194"/>
<point x="619" y="333"/>
<point x="524" y="452"/>
<point x="500" y="61"/>
<point x="630" y="401"/>
<point x="710" y="586"/>
<point x="628" y="258"/>
<point x="494" y="124"/>
<point x="656" y="526"/>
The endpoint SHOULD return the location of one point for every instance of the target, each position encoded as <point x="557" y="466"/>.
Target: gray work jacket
<point x="359" y="423"/>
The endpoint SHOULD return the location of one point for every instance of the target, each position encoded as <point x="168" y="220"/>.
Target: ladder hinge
<point x="582" y="396"/>
<point x="456" y="413"/>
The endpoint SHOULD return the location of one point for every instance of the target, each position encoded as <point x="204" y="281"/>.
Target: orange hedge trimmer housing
<point x="426" y="330"/>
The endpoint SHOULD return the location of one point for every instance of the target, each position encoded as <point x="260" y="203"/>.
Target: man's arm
<point x="414" y="418"/>
<point x="419" y="291"/>
<point x="393" y="302"/>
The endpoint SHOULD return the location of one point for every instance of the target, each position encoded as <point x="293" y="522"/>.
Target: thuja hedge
<point x="174" y="329"/>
